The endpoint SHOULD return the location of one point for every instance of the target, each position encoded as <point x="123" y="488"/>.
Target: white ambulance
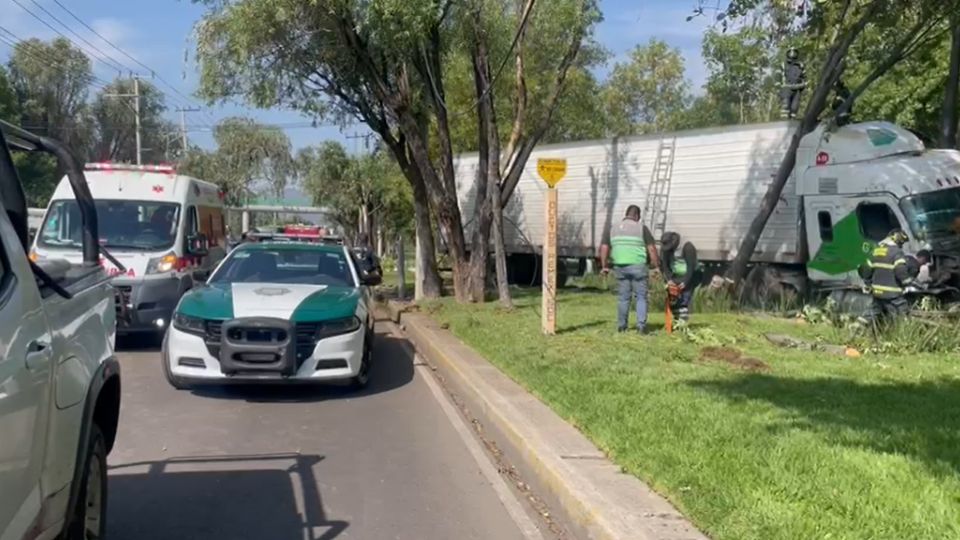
<point x="168" y="232"/>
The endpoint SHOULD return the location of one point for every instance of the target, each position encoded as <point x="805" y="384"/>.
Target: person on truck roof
<point x="885" y="276"/>
<point x="682" y="274"/>
<point x="632" y="250"/>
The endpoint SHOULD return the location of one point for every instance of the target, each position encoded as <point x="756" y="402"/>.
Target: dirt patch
<point x="732" y="357"/>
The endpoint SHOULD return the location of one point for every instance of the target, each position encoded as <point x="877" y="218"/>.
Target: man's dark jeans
<point x="631" y="280"/>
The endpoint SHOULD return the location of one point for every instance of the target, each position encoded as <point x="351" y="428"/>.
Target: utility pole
<point x="356" y="137"/>
<point x="183" y="123"/>
<point x="136" y="105"/>
<point x="136" y="112"/>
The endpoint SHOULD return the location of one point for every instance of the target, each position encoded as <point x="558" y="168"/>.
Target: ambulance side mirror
<point x="197" y="245"/>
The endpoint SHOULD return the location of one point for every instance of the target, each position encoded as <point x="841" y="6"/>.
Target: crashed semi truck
<point x="850" y="186"/>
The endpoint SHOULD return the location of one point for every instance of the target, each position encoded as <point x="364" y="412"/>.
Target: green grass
<point x="817" y="446"/>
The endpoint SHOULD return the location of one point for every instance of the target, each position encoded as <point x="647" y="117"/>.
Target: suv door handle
<point x="38" y="355"/>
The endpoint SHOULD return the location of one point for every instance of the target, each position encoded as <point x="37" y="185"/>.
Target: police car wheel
<point x="362" y="377"/>
<point x="173" y="380"/>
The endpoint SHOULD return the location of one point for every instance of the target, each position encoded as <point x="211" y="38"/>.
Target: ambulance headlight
<point x="160" y="265"/>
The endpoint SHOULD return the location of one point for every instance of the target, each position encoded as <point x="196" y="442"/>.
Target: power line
<point x="33" y="51"/>
<point x="48" y="25"/>
<point x="81" y="38"/>
<point x="153" y="73"/>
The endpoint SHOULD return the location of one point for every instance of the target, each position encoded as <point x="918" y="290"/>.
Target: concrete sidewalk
<point x="595" y="499"/>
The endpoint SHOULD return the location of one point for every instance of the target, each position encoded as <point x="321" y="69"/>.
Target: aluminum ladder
<point x="658" y="194"/>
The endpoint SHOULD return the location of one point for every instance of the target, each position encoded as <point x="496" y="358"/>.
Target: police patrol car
<point x="275" y="312"/>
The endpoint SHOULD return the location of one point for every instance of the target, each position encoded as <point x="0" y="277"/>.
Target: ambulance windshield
<point x="934" y="216"/>
<point x="123" y="225"/>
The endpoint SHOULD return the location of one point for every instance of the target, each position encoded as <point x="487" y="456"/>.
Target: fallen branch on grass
<point x="790" y="342"/>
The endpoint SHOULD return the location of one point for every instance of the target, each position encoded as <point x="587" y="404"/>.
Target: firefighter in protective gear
<point x="885" y="276"/>
<point x="793" y="82"/>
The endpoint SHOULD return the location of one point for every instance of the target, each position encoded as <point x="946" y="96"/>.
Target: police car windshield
<point x="133" y="225"/>
<point x="295" y="265"/>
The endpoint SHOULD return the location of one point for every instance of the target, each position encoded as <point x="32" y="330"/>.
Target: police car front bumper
<point x="215" y="359"/>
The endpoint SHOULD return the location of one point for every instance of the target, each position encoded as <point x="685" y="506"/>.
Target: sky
<point x="158" y="34"/>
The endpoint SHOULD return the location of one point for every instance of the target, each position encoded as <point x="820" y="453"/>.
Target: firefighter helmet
<point x="898" y="236"/>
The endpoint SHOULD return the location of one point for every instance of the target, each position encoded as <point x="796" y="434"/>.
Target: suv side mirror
<point x="197" y="244"/>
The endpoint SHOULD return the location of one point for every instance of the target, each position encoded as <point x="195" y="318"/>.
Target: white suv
<point x="59" y="380"/>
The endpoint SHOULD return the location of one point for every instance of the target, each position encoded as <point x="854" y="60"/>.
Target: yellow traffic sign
<point x="552" y="170"/>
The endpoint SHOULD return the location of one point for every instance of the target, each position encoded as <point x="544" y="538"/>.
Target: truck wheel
<point x="88" y="519"/>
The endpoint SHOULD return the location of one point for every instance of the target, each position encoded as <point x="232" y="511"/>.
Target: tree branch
<point x="520" y="105"/>
<point x="515" y="167"/>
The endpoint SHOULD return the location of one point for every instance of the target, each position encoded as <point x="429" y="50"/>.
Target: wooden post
<point x="551" y="171"/>
<point x="549" y="308"/>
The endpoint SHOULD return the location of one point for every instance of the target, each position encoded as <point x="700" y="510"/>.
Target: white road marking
<point x="506" y="495"/>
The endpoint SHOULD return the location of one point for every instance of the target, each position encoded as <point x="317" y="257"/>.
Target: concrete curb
<point x="596" y="500"/>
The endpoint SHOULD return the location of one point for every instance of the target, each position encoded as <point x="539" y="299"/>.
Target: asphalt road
<point x="391" y="462"/>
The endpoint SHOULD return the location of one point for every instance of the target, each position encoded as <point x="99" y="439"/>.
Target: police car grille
<point x="306" y="340"/>
<point x="213" y="336"/>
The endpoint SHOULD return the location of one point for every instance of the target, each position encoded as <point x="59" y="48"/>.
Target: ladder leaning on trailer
<point x="658" y="195"/>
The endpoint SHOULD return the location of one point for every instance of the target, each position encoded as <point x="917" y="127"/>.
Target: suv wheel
<point x="88" y="518"/>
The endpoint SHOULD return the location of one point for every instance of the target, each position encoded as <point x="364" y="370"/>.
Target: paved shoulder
<point x="284" y="463"/>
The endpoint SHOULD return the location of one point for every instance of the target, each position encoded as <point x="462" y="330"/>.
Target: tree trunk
<point x="381" y="241"/>
<point x="427" y="283"/>
<point x="949" y="113"/>
<point x="487" y="146"/>
<point x="816" y="106"/>
<point x="500" y="255"/>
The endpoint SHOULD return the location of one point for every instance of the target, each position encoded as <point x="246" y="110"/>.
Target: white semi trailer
<point x="849" y="188"/>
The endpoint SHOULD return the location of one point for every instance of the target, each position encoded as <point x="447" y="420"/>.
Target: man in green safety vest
<point x="885" y="276"/>
<point x="632" y="251"/>
<point x="682" y="273"/>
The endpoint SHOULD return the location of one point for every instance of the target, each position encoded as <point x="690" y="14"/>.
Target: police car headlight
<point x="188" y="324"/>
<point x="338" y="327"/>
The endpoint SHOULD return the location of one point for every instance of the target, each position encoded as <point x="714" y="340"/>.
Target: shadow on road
<point x="139" y="343"/>
<point x="392" y="368"/>
<point x="256" y="497"/>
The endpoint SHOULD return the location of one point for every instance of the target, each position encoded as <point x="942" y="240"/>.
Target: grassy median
<point x="750" y="440"/>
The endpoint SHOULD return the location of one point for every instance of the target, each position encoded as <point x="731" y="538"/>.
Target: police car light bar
<point x="163" y="169"/>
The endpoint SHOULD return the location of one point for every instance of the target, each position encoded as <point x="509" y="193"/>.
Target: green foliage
<point x="743" y="78"/>
<point x="115" y="124"/>
<point x="52" y="80"/>
<point x="648" y="92"/>
<point x="817" y="446"/>
<point x="38" y="174"/>
<point x="249" y="158"/>
<point x="346" y="184"/>
<point x="9" y="108"/>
